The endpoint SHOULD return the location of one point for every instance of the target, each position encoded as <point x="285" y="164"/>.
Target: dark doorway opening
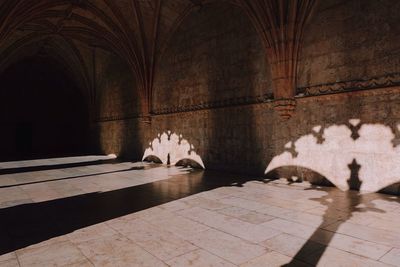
<point x="43" y="112"/>
<point x="23" y="138"/>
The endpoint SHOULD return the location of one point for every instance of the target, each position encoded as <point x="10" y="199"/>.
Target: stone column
<point x="280" y="24"/>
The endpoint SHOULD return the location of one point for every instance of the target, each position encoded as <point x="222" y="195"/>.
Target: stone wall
<point x="351" y="45"/>
<point x="214" y="58"/>
<point x="213" y="91"/>
<point x="117" y="94"/>
<point x="118" y="106"/>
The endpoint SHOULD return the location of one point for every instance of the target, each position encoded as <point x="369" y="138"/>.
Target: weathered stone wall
<point x="248" y="138"/>
<point x="117" y="95"/>
<point x="118" y="105"/>
<point x="215" y="57"/>
<point x="357" y="40"/>
<point x="212" y="87"/>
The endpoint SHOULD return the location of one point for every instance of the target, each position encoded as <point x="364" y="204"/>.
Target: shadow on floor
<point x="57" y="166"/>
<point x="28" y="224"/>
<point x="341" y="207"/>
<point x="75" y="177"/>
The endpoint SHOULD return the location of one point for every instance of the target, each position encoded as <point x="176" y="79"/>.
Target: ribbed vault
<point x="138" y="31"/>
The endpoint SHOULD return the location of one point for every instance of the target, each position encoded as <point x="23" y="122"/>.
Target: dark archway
<point x="43" y="112"/>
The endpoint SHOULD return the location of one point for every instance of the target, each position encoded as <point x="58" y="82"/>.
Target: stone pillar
<point x="280" y="24"/>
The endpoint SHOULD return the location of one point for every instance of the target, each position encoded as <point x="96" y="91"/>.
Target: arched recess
<point x="186" y="162"/>
<point x="212" y="69"/>
<point x="45" y="99"/>
<point x="61" y="49"/>
<point x="153" y="158"/>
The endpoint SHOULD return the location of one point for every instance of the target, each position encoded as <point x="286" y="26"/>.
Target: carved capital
<point x="146" y="119"/>
<point x="285" y="107"/>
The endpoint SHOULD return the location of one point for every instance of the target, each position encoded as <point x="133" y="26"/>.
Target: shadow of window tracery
<point x="329" y="148"/>
<point x="172" y="149"/>
<point x="351" y="202"/>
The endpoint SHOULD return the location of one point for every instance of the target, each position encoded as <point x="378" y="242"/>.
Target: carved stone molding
<point x="285" y="107"/>
<point x="118" y="118"/>
<point x="240" y="101"/>
<point x="392" y="79"/>
<point x="146" y="119"/>
<point x="380" y="93"/>
<point x="281" y="24"/>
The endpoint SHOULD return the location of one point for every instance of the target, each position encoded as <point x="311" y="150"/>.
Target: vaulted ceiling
<point x="138" y="31"/>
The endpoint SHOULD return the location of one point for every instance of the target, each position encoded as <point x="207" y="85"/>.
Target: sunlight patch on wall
<point x="330" y="152"/>
<point x="172" y="148"/>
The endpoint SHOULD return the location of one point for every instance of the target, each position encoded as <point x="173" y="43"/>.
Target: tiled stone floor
<point x="90" y="211"/>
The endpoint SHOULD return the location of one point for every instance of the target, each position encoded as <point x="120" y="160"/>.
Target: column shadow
<point x="28" y="224"/>
<point x="348" y="205"/>
<point x="57" y="166"/>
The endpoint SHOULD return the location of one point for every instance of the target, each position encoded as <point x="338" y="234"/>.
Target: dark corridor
<point x="43" y="112"/>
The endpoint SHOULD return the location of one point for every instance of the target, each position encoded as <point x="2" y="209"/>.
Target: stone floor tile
<point x="117" y="250"/>
<point x="234" y="211"/>
<point x="8" y="257"/>
<point x="308" y="219"/>
<point x="228" y="247"/>
<point x="388" y="225"/>
<point x="12" y="194"/>
<point x="392" y="257"/>
<point x="273" y="259"/>
<point x="14" y="203"/>
<point x="274" y="211"/>
<point x="179" y="226"/>
<point x="292" y="228"/>
<point x="290" y="245"/>
<point x="199" y="258"/>
<point x="328" y="238"/>
<point x="256" y="218"/>
<point x="162" y="244"/>
<point x="246" y="215"/>
<point x="153" y="214"/>
<point x="205" y="203"/>
<point x="333" y="213"/>
<point x="92" y="232"/>
<point x="334" y="257"/>
<point x="10" y="263"/>
<point x="350" y="244"/>
<point x="123" y="224"/>
<point x="175" y="206"/>
<point x="379" y="236"/>
<point x="257" y="224"/>
<point x="242" y="203"/>
<point x="233" y="226"/>
<point x="57" y="254"/>
<point x="40" y="192"/>
<point x="214" y="194"/>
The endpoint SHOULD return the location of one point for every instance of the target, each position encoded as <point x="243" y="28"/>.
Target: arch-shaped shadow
<point x="298" y="174"/>
<point x="349" y="202"/>
<point x="153" y="158"/>
<point x="330" y="151"/>
<point x="171" y="148"/>
<point x="189" y="163"/>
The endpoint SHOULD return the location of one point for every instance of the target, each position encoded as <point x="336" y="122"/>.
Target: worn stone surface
<point x="214" y="70"/>
<point x="246" y="139"/>
<point x="214" y="56"/>
<point x="350" y="40"/>
<point x="204" y="227"/>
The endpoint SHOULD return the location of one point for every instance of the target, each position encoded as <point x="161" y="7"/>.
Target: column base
<point x="285" y="107"/>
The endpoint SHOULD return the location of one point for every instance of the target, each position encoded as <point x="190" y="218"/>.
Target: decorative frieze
<point x="285" y="107"/>
<point x="355" y="85"/>
<point x="216" y="104"/>
<point x="281" y="24"/>
<point x="377" y="86"/>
